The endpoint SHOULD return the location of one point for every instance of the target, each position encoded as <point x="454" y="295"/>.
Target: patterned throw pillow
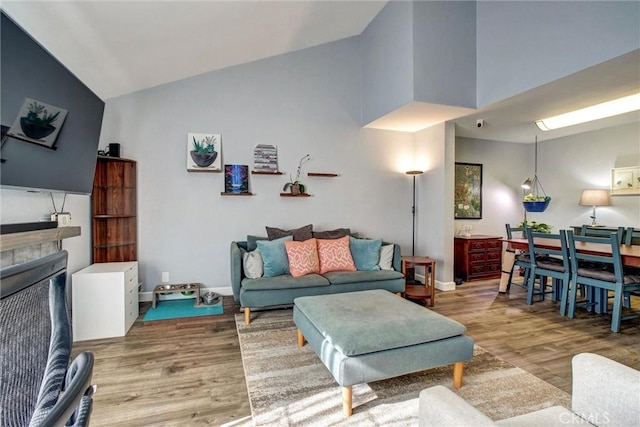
<point x="252" y="264"/>
<point x="386" y="257"/>
<point x="274" y="256"/>
<point x="303" y="257"/>
<point x="334" y="255"/>
<point x="299" y="234"/>
<point x="365" y="253"/>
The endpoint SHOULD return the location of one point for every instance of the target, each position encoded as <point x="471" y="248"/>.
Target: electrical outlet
<point x="165" y="277"/>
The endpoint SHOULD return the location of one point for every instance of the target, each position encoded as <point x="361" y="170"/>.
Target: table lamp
<point x="594" y="198"/>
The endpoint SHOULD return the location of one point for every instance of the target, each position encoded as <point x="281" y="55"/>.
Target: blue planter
<point x="536" y="206"/>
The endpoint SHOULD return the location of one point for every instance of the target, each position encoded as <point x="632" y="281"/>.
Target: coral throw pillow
<point x="334" y="255"/>
<point x="303" y="257"/>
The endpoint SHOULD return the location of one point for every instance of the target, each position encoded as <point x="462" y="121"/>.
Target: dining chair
<point x="591" y="231"/>
<point x="631" y="236"/>
<point x="604" y="272"/>
<point x="549" y="263"/>
<point x="521" y="258"/>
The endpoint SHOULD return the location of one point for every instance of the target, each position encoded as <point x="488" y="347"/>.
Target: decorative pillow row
<point x="286" y="256"/>
<point x="299" y="234"/>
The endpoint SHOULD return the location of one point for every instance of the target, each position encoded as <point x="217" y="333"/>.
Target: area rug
<point x="177" y="308"/>
<point x="289" y="385"/>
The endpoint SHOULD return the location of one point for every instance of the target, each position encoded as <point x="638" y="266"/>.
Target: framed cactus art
<point x="38" y="123"/>
<point x="203" y="152"/>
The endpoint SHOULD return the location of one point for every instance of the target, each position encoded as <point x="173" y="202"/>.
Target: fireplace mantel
<point x="29" y="238"/>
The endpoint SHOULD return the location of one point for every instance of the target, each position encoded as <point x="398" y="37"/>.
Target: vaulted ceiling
<point x="118" y="47"/>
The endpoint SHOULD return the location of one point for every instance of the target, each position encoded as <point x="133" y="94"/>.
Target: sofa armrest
<point x="439" y="406"/>
<point x="605" y="392"/>
<point x="237" y="272"/>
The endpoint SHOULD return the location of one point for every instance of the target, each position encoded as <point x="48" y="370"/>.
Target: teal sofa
<point x="272" y="292"/>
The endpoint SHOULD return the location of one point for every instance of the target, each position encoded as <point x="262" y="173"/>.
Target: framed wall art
<point x="38" y="123"/>
<point x="203" y="152"/>
<point x="236" y="179"/>
<point x="625" y="181"/>
<point x="468" y="191"/>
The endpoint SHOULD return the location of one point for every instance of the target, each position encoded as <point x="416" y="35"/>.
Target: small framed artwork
<point x="38" y="123"/>
<point x="468" y="191"/>
<point x="625" y="181"/>
<point x="236" y="179"/>
<point x="265" y="158"/>
<point x="203" y="152"/>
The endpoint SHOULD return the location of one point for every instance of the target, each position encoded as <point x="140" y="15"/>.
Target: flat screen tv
<point x="50" y="120"/>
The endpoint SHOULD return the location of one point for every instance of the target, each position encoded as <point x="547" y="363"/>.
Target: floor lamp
<point x="413" y="173"/>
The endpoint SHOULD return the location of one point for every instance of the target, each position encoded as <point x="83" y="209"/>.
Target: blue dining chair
<point x="521" y="258"/>
<point x="631" y="236"/>
<point x="549" y="263"/>
<point x="604" y="272"/>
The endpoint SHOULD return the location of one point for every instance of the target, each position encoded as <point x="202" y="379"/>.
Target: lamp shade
<point x="595" y="198"/>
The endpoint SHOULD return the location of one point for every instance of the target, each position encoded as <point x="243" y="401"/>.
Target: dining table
<point x="630" y="253"/>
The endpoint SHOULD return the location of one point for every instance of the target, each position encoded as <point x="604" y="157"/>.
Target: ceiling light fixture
<point x="594" y="112"/>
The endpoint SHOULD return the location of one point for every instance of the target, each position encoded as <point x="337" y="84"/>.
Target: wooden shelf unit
<point x="295" y="195"/>
<point x="322" y="174"/>
<point x="265" y="173"/>
<point x="113" y="209"/>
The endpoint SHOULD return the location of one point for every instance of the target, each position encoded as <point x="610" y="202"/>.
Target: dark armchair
<point x="38" y="386"/>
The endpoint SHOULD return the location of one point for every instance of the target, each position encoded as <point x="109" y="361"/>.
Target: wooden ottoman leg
<point x="247" y="316"/>
<point x="300" y="339"/>
<point x="347" y="401"/>
<point x="458" y="370"/>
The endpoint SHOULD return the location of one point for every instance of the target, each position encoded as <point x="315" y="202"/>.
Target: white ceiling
<point x="119" y="47"/>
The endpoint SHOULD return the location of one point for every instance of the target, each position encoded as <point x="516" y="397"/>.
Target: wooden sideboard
<point x="477" y="257"/>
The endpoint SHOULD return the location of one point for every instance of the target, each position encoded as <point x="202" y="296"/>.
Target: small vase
<point x="295" y="189"/>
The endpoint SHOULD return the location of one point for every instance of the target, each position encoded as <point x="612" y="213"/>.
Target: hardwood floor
<point x="189" y="371"/>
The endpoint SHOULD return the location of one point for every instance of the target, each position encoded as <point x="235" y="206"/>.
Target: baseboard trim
<point x="441" y="286"/>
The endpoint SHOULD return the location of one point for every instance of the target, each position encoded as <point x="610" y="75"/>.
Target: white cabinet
<point x="104" y="300"/>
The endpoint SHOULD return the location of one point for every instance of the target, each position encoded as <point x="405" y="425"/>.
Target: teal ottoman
<point x="374" y="335"/>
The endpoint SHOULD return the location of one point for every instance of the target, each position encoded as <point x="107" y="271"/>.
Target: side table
<point x="428" y="291"/>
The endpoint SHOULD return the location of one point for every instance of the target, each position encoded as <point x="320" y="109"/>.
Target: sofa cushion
<point x="334" y="255"/>
<point x="303" y="257"/>
<point x="274" y="256"/>
<point x="299" y="234"/>
<point x="332" y="234"/>
<point x="386" y="257"/>
<point x="252" y="264"/>
<point x="284" y="282"/>
<point x="365" y="253"/>
<point x="342" y="277"/>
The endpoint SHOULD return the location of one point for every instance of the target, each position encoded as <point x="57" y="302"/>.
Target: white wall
<point x="304" y="102"/>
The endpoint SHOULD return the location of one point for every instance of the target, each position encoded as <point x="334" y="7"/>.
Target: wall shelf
<point x="265" y="173"/>
<point x="236" y="194"/>
<point x="28" y="238"/>
<point x="322" y="174"/>
<point x="295" y="195"/>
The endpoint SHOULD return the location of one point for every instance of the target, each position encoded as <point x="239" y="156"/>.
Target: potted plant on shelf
<point x="294" y="185"/>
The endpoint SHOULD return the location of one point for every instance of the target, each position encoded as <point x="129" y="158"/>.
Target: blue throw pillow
<point x="365" y="253"/>
<point x="274" y="256"/>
